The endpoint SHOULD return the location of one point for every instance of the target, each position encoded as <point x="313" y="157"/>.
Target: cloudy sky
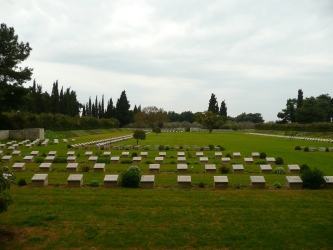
<point x="174" y="54"/>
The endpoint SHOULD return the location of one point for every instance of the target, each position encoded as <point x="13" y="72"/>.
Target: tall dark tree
<point x="186" y="116"/>
<point x="122" y="110"/>
<point x="299" y="99"/>
<point x="12" y="77"/>
<point x="289" y="113"/>
<point x="110" y="110"/>
<point x="102" y="111"/>
<point x="223" y="109"/>
<point x="55" y="98"/>
<point x="213" y="105"/>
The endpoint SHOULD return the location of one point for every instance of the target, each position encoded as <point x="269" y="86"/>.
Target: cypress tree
<point x="122" y="110"/>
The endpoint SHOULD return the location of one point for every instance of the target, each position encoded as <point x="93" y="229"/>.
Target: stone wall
<point x="30" y="133"/>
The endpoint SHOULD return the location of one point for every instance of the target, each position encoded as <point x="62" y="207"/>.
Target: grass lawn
<point x="58" y="217"/>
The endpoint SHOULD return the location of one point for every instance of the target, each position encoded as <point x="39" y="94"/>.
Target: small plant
<point x="44" y="154"/>
<point x="167" y="148"/>
<point x="134" y="169"/>
<point x="221" y="148"/>
<point x="201" y="185"/>
<point x="297" y="148"/>
<point x="148" y="162"/>
<point x="69" y="146"/>
<point x="173" y="162"/>
<point x="22" y="182"/>
<point x="306" y="149"/>
<point x="134" y="154"/>
<point x="228" y="155"/>
<point x="161" y="147"/>
<point x="261" y="162"/>
<point x="56" y="184"/>
<point x="312" y="178"/>
<point x="60" y="160"/>
<point x="94" y="183"/>
<point x="279" y="170"/>
<point x="224" y="169"/>
<point x="39" y="160"/>
<point x="189" y="155"/>
<point x="131" y="177"/>
<point x="304" y="167"/>
<point x="103" y="160"/>
<point x="277" y="185"/>
<point x="279" y="161"/>
<point x="211" y="147"/>
<point x="85" y="168"/>
<point x="78" y="155"/>
<point x="126" y="161"/>
<point x="327" y="150"/>
<point x="263" y="155"/>
<point x="238" y="185"/>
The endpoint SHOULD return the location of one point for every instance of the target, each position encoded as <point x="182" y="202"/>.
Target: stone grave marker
<point x="181" y="154"/>
<point x="107" y="154"/>
<point x="210" y="168"/>
<point x="28" y="158"/>
<point x="257" y="181"/>
<point x="294" y="182"/>
<point x="144" y="154"/>
<point x="52" y="153"/>
<point x="159" y="159"/>
<point x="238" y="168"/>
<point x="154" y="168"/>
<point x="111" y="181"/>
<point x="293" y="169"/>
<point x="16" y="153"/>
<point x="203" y="160"/>
<point x="72" y="167"/>
<point x="225" y="160"/>
<point x="181" y="159"/>
<point x="71" y="159"/>
<point x="115" y="159"/>
<point x="45" y="167"/>
<point x="236" y="154"/>
<point x="70" y="153"/>
<point x="182" y="168"/>
<point x="248" y="160"/>
<point x="93" y="159"/>
<point x="137" y="159"/>
<point x="270" y="160"/>
<point x="75" y="180"/>
<point x="265" y="169"/>
<point x="125" y="154"/>
<point x="218" y="154"/>
<point x="162" y="154"/>
<point x="40" y="180"/>
<point x="221" y="182"/>
<point x="7" y="158"/>
<point x="99" y="167"/>
<point x="328" y="182"/>
<point x="147" y="181"/>
<point x="34" y="153"/>
<point x="18" y="167"/>
<point x="49" y="159"/>
<point x="199" y="154"/>
<point x="88" y="153"/>
<point x="184" y="181"/>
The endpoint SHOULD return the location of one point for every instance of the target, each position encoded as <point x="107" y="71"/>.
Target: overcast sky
<point x="174" y="54"/>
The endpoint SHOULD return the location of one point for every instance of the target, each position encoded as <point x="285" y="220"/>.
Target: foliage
<point x="128" y="161"/>
<point x="306" y="149"/>
<point x="213" y="105"/>
<point x="290" y="134"/>
<point x="263" y="155"/>
<point x="223" y="109"/>
<point x="12" y="76"/>
<point x="59" y="160"/>
<point x="94" y="183"/>
<point x="201" y="184"/>
<point x="304" y="167"/>
<point x="39" y="160"/>
<point x="312" y="178"/>
<point x="279" y="170"/>
<point x="161" y="147"/>
<point x="221" y="148"/>
<point x="85" y="168"/>
<point x="277" y="185"/>
<point x="211" y="147"/>
<point x="261" y="162"/>
<point x="228" y="155"/>
<point x="156" y="130"/>
<point x="250" y="117"/>
<point x="139" y="135"/>
<point x="134" y="169"/>
<point x="297" y="148"/>
<point x="210" y="120"/>
<point x="151" y="117"/>
<point x="22" y="182"/>
<point x="131" y="177"/>
<point x="234" y="127"/>
<point x="279" y="161"/>
<point x="6" y="179"/>
<point x="224" y="169"/>
<point x="134" y="154"/>
<point x="122" y="110"/>
<point x="103" y="160"/>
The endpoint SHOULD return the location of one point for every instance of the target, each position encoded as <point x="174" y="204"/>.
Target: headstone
<point x="137" y="147"/>
<point x="137" y="159"/>
<point x="257" y="181"/>
<point x="294" y="182"/>
<point x="236" y="154"/>
<point x="270" y="160"/>
<point x="181" y="154"/>
<point x="40" y="180"/>
<point x="52" y="153"/>
<point x="111" y="181"/>
<point x="70" y="153"/>
<point x="221" y="182"/>
<point x="181" y="159"/>
<point x="294" y="169"/>
<point x="238" y="168"/>
<point x="265" y="169"/>
<point x="72" y="167"/>
<point x="312" y="149"/>
<point x="210" y="168"/>
<point x="16" y="153"/>
<point x="144" y="154"/>
<point x="19" y="166"/>
<point x="7" y="158"/>
<point x="93" y="159"/>
<point x="218" y="154"/>
<point x="88" y="153"/>
<point x="34" y="153"/>
<point x="75" y="180"/>
<point x="248" y="160"/>
<point x="322" y="149"/>
<point x="184" y="181"/>
<point x="328" y="182"/>
<point x="28" y="158"/>
<point x="159" y="159"/>
<point x="49" y="159"/>
<point x="107" y="154"/>
<point x="99" y="167"/>
<point x="45" y="167"/>
<point x="71" y="159"/>
<point x="203" y="160"/>
<point x="147" y="181"/>
<point x="125" y="154"/>
<point x="182" y="168"/>
<point x="115" y="159"/>
<point x="154" y="168"/>
<point x="162" y="154"/>
<point x="225" y="160"/>
<point x="199" y="154"/>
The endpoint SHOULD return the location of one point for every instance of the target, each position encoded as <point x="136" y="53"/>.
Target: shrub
<point x="224" y="169"/>
<point x="279" y="170"/>
<point x="21" y="182"/>
<point x="261" y="162"/>
<point x="297" y="148"/>
<point x="85" y="168"/>
<point x="221" y="148"/>
<point x="39" y="160"/>
<point x="69" y="145"/>
<point x="134" y="169"/>
<point x="134" y="154"/>
<point x="78" y="155"/>
<point x="312" y="178"/>
<point x="126" y="161"/>
<point x="279" y="161"/>
<point x="173" y="162"/>
<point x="327" y="150"/>
<point x="103" y="160"/>
<point x="166" y="148"/>
<point x="131" y="177"/>
<point x="201" y="185"/>
<point x="60" y="160"/>
<point x="94" y="183"/>
<point x="263" y="155"/>
<point x="306" y="149"/>
<point x="161" y="147"/>
<point x="228" y="155"/>
<point x="44" y="154"/>
<point x="211" y="147"/>
<point x="277" y="185"/>
<point x="304" y="167"/>
<point x="148" y="162"/>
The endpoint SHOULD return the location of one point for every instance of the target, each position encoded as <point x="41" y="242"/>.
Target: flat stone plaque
<point x="49" y="159"/>
<point x="70" y="153"/>
<point x="257" y="181"/>
<point x="294" y="169"/>
<point x="88" y="153"/>
<point x="16" y="153"/>
<point x="115" y="159"/>
<point x="238" y="168"/>
<point x="203" y="160"/>
<point x="328" y="182"/>
<point x="162" y="154"/>
<point x="199" y="154"/>
<point x="137" y="159"/>
<point x="181" y="154"/>
<point x="248" y="160"/>
<point x="154" y="168"/>
<point x="19" y="166"/>
<point x="218" y="154"/>
<point x="184" y="181"/>
<point x="144" y="154"/>
<point x="53" y="153"/>
<point x="45" y="167"/>
<point x="71" y="159"/>
<point x="125" y="154"/>
<point x="221" y="181"/>
<point x="40" y="180"/>
<point x="72" y="167"/>
<point x="182" y="168"/>
<point x="147" y="181"/>
<point x="93" y="159"/>
<point x="265" y="169"/>
<point x="99" y="167"/>
<point x="181" y="159"/>
<point x="159" y="159"/>
<point x="225" y="159"/>
<point x="294" y="182"/>
<point x="34" y="153"/>
<point x="111" y="181"/>
<point x="236" y="154"/>
<point x="210" y="168"/>
<point x="107" y="154"/>
<point x="28" y="158"/>
<point x="270" y="160"/>
<point x="7" y="158"/>
<point x="75" y="180"/>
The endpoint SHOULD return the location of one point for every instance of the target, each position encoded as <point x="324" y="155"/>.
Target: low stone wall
<point x="30" y="133"/>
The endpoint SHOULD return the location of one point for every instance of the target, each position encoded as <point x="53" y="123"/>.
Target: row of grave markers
<point x="148" y="181"/>
<point x="295" y="137"/>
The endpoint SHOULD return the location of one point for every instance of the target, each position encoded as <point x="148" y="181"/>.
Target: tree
<point x="299" y="99"/>
<point x="223" y="109"/>
<point x="6" y="179"/>
<point x="151" y="116"/>
<point x="315" y="110"/>
<point x="12" y="76"/>
<point x="234" y="127"/>
<point x="156" y="130"/>
<point x="186" y="116"/>
<point x="250" y="117"/>
<point x="139" y="135"/>
<point x="122" y="110"/>
<point x="210" y="120"/>
<point x="213" y="105"/>
<point x="289" y="113"/>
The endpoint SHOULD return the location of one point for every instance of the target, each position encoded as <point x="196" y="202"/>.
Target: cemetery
<point x="72" y="177"/>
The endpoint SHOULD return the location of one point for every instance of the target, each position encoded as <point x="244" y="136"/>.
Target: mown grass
<point x="166" y="217"/>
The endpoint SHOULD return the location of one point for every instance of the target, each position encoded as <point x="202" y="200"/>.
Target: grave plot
<point x="238" y="168"/>
<point x="45" y="167"/>
<point x="154" y="168"/>
<point x="270" y="160"/>
<point x="159" y="160"/>
<point x="225" y="160"/>
<point x="71" y="159"/>
<point x="218" y="154"/>
<point x="93" y="159"/>
<point x="328" y="182"/>
<point x="115" y="159"/>
<point x="144" y="154"/>
<point x="181" y="159"/>
<point x="236" y="154"/>
<point x="99" y="167"/>
<point x="7" y="158"/>
<point x="72" y="167"/>
<point x="18" y="166"/>
<point x="137" y="160"/>
<point x="248" y="161"/>
<point x="53" y="153"/>
<point x="265" y="169"/>
<point x="294" y="169"/>
<point x="49" y="159"/>
<point x="28" y="158"/>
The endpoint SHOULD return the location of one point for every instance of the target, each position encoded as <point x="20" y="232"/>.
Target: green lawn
<point x="58" y="217"/>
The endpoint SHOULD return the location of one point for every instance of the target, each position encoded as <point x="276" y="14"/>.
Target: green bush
<point x="166" y="148"/>
<point x="103" y="160"/>
<point x="173" y="162"/>
<point x="297" y="148"/>
<point x="85" y="168"/>
<point x="277" y="185"/>
<point x="201" y="185"/>
<point x="134" y="154"/>
<point x="126" y="161"/>
<point x="228" y="155"/>
<point x="39" y="160"/>
<point x="44" y="154"/>
<point x="21" y="182"/>
<point x="94" y="183"/>
<point x="69" y="146"/>
<point x="263" y="155"/>
<point x="161" y="147"/>
<point x="134" y="169"/>
<point x="221" y="148"/>
<point x="306" y="149"/>
<point x="279" y="161"/>
<point x="60" y="160"/>
<point x="149" y="162"/>
<point x="279" y="170"/>
<point x="261" y="162"/>
<point x="131" y="177"/>
<point x="211" y="147"/>
<point x="304" y="167"/>
<point x="312" y="178"/>
<point x="224" y="169"/>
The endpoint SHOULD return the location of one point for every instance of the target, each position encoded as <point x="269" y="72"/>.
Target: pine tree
<point x="213" y="104"/>
<point x="299" y="99"/>
<point x="55" y="98"/>
<point x="223" y="109"/>
<point x="122" y="110"/>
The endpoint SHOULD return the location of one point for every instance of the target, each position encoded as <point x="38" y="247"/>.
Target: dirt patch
<point x="7" y="235"/>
